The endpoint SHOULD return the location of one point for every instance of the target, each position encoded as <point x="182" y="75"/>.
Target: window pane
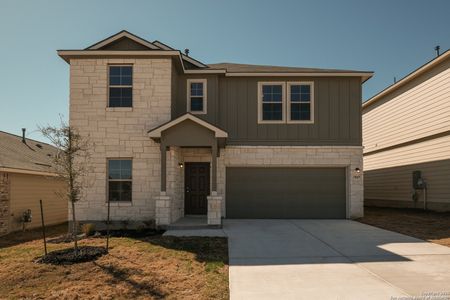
<point x="295" y="89"/>
<point x="305" y="98"/>
<point x="276" y="89"/>
<point x="120" y="190"/>
<point x="295" y="111"/>
<point x="197" y="104"/>
<point x="305" y="89"/>
<point x="300" y="111"/>
<point x="272" y="93"/>
<point x="115" y="92"/>
<point x="300" y="93"/>
<point x="120" y="75"/>
<point x="114" y="102"/>
<point x="126" y="80"/>
<point x="114" y="70"/>
<point x="120" y="97"/>
<point x="295" y="93"/>
<point x="125" y="167"/>
<point x="197" y="89"/>
<point x="119" y="169"/>
<point x="114" y="80"/>
<point x="305" y="111"/>
<point x="126" y="70"/>
<point x="272" y="111"/>
<point x="126" y="102"/>
<point x="126" y="92"/>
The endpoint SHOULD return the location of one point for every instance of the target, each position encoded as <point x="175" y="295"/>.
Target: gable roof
<point x="120" y="35"/>
<point x="155" y="133"/>
<point x="16" y="156"/>
<point x="125" y="43"/>
<point x="417" y="72"/>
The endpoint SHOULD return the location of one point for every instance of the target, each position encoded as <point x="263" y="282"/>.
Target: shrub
<point x="88" y="229"/>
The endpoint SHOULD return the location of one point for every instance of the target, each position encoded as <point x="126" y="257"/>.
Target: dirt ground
<point x="426" y="225"/>
<point x="153" y="267"/>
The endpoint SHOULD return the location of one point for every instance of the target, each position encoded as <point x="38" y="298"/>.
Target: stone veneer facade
<point x="4" y="203"/>
<point x="122" y="133"/>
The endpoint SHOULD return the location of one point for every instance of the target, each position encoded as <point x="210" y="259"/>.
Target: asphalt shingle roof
<point x="246" y="68"/>
<point x="32" y="155"/>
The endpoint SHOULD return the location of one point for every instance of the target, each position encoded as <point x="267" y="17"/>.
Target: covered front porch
<point x="189" y="150"/>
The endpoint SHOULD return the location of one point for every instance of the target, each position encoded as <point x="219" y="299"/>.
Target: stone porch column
<point x="163" y="201"/>
<point x="163" y="209"/>
<point x="214" y="200"/>
<point x="214" y="209"/>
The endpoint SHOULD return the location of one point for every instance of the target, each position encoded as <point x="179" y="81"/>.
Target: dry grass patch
<point x="151" y="267"/>
<point x="425" y="225"/>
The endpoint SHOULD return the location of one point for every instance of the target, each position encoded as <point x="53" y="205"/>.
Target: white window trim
<point x="283" y="102"/>
<point x="205" y="96"/>
<point x="311" y="84"/>
<point x="111" y="180"/>
<point x="120" y="108"/>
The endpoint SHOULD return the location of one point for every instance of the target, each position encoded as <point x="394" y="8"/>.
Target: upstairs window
<point x="120" y="86"/>
<point x="196" y="96"/>
<point x="271" y="102"/>
<point x="300" y="102"/>
<point x="119" y="180"/>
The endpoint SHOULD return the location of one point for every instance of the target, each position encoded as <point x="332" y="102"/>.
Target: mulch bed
<point x="69" y="257"/>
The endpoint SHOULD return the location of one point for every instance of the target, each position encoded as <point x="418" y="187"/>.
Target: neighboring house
<point x="27" y="176"/>
<point x="406" y="128"/>
<point x="176" y="137"/>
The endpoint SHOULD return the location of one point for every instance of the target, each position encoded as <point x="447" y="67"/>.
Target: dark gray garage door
<point x="285" y="193"/>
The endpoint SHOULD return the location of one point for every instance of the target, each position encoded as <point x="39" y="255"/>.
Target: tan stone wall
<point x="120" y="132"/>
<point x="309" y="156"/>
<point x="4" y="203"/>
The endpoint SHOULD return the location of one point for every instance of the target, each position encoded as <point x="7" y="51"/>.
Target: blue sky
<point x="391" y="38"/>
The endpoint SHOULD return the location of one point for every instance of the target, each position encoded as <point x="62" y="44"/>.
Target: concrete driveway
<point x="330" y="259"/>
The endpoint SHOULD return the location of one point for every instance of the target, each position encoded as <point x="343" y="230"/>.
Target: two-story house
<point x="176" y="137"/>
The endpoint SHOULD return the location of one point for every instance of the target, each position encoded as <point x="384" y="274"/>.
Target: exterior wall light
<point x="180" y="165"/>
<point x="357" y="173"/>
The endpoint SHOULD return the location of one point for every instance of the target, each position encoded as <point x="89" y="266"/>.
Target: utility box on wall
<point x="418" y="181"/>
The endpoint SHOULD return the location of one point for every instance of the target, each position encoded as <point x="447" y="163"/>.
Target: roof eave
<point x="364" y="75"/>
<point x="417" y="72"/>
<point x="68" y="54"/>
<point x="26" y="171"/>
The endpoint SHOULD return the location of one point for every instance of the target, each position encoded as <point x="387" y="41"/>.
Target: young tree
<point x="71" y="163"/>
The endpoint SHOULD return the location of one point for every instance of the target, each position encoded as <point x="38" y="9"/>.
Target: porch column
<point x="214" y="167"/>
<point x="163" y="202"/>
<point x="163" y="167"/>
<point x="214" y="200"/>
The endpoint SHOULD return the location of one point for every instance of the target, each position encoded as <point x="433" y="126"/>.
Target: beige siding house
<point x="25" y="178"/>
<point x="406" y="128"/>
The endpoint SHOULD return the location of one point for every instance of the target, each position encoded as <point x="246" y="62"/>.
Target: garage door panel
<point x="256" y="192"/>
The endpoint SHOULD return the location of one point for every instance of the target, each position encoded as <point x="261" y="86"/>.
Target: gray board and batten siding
<point x="232" y="105"/>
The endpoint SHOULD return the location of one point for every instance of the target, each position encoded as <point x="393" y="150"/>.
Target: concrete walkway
<point x="330" y="259"/>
